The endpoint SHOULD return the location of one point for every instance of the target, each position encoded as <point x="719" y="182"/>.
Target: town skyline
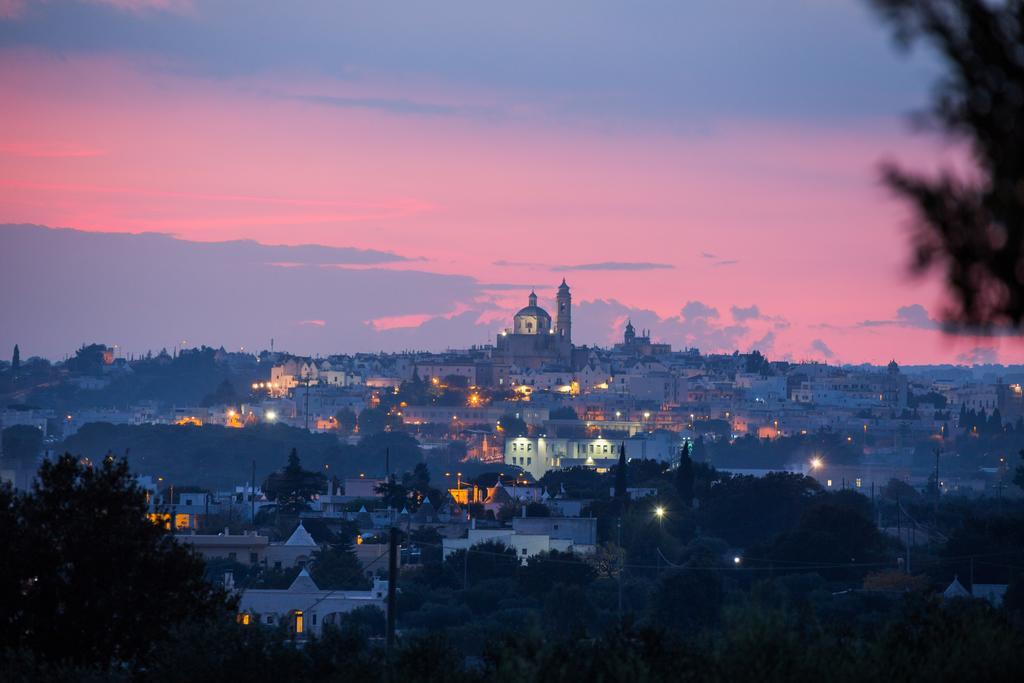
<point x="242" y="294"/>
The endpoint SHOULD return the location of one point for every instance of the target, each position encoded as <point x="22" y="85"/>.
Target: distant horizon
<point x="124" y="258"/>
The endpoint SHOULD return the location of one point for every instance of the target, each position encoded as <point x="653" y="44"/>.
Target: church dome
<point x="532" y="319"/>
<point x="533" y="310"/>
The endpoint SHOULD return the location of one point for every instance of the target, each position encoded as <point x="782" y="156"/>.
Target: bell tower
<point x="563" y="318"/>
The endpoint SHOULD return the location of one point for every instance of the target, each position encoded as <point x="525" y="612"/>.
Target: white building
<point x="304" y="607"/>
<point x="525" y="545"/>
<point x="537" y="455"/>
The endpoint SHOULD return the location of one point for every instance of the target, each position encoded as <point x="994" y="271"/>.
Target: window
<point x="254" y="558"/>
<point x="529" y="461"/>
<point x="233" y="557"/>
<point x="524" y="551"/>
<point x="277" y="565"/>
<point x="270" y="618"/>
<point x="858" y="482"/>
<point x="829" y="483"/>
<point x="313" y="619"/>
<point x="298" y="622"/>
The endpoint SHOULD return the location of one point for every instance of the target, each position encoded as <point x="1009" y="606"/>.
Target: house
<point x="580" y="531"/>
<point x="304" y="607"/>
<point x="247" y="549"/>
<point x="297" y="550"/>
<point x="993" y="592"/>
<point x="525" y="545"/>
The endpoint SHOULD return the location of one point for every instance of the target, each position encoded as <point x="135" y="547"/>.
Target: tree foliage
<point x="293" y="487"/>
<point x="972" y="228"/>
<point x="86" y="578"/>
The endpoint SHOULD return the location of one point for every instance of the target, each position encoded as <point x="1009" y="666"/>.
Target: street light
<point x="737" y="560"/>
<point x="816" y="463"/>
<point x="659" y="512"/>
<point x="271" y="416"/>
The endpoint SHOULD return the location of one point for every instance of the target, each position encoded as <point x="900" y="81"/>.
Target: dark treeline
<point x="766" y="578"/>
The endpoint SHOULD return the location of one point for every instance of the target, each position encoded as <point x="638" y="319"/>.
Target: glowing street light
<point x="271" y="415"/>
<point x="659" y="512"/>
<point x="737" y="560"/>
<point x="816" y="463"/>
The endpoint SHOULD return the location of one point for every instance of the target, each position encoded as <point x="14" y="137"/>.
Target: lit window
<point x="828" y="483"/>
<point x="298" y="622"/>
<point x="858" y="483"/>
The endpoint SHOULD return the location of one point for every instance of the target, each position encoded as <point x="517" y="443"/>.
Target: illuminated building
<point x="303" y="607"/>
<point x="537" y="455"/>
<point x="533" y="340"/>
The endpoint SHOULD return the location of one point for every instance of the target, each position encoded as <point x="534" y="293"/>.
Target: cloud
<point x="175" y="6"/>
<point x="706" y="254"/>
<point x="534" y="55"/>
<point x="502" y="263"/>
<point x="146" y="291"/>
<point x="765" y="344"/>
<point x="398" y="105"/>
<point x="910" y="316"/>
<point x="599" y="266"/>
<point x="617" y="265"/>
<point x="979" y="355"/>
<point x="822" y="348"/>
<point x="730" y="262"/>
<point x="739" y="313"/>
<point x="602" y="321"/>
<point x="696" y="310"/>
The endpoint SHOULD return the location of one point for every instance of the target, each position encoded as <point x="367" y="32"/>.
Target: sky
<point x="398" y="175"/>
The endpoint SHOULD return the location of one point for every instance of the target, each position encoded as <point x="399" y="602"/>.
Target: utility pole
<point x="618" y="526"/>
<point x="937" y="489"/>
<point x="899" y="529"/>
<point x="392" y="581"/>
<point x="306" y="410"/>
<point x="252" y="495"/>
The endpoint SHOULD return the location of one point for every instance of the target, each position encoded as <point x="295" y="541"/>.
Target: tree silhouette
<point x="684" y="476"/>
<point x="87" y="579"/>
<point x="292" y="487"/>
<point x="973" y="229"/>
<point x="337" y="567"/>
<point x="621" y="479"/>
<point x="347" y="420"/>
<point x="21" y="444"/>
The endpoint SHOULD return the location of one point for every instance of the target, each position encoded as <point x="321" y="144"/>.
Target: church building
<point x="533" y="341"/>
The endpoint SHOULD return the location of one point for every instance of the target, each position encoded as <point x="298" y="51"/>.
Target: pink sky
<point x="740" y="211"/>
